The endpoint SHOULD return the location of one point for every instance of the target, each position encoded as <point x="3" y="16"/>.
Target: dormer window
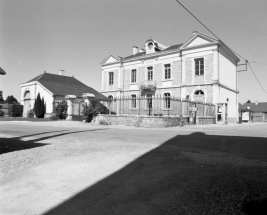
<point x="150" y="46"/>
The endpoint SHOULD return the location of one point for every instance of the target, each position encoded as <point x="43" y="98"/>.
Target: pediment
<point x="198" y="40"/>
<point x="111" y="59"/>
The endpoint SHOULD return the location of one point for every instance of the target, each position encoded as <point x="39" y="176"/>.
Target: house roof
<point x="2" y="72"/>
<point x="63" y="85"/>
<point x="260" y="107"/>
<point x="173" y="47"/>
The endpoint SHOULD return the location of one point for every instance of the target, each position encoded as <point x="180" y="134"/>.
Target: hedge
<point x="15" y="110"/>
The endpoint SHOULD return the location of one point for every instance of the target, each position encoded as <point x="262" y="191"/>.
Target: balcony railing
<point x="147" y="85"/>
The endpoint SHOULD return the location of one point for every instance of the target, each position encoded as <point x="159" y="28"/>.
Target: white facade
<point x="202" y="64"/>
<point x="33" y="88"/>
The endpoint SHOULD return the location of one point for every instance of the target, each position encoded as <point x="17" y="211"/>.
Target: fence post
<point x="139" y="106"/>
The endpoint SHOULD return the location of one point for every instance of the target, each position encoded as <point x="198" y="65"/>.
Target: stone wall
<point x="148" y="121"/>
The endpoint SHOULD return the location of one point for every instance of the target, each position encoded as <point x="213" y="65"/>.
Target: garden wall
<point x="148" y="121"/>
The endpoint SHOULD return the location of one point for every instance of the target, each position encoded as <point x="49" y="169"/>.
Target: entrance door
<point x="220" y="114"/>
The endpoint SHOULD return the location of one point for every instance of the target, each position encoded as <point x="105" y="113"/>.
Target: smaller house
<point x="255" y="112"/>
<point x="54" y="88"/>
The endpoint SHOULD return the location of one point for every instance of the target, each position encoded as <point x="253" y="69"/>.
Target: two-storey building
<point x="201" y="69"/>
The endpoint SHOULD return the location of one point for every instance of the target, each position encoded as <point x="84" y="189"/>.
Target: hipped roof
<point x="259" y="107"/>
<point x="61" y="85"/>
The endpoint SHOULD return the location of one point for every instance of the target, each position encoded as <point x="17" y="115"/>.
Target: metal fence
<point x="158" y="106"/>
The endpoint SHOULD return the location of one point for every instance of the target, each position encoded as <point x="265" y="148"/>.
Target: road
<point x="77" y="168"/>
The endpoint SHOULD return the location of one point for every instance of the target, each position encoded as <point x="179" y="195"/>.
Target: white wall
<point x="232" y="103"/>
<point x="227" y="70"/>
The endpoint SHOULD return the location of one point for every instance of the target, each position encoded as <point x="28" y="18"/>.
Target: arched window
<point x="133" y="101"/>
<point x="199" y="96"/>
<point x="167" y="98"/>
<point x="27" y="95"/>
<point x="150" y="45"/>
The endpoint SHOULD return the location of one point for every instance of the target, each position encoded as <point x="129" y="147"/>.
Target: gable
<point x="197" y="40"/>
<point x="111" y="59"/>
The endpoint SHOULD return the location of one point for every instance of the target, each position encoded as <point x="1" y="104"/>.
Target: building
<point x="255" y="112"/>
<point x="54" y="88"/>
<point x="201" y="69"/>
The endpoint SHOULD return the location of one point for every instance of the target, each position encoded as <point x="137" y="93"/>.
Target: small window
<point x="167" y="98"/>
<point x="199" y="66"/>
<point x="150" y="46"/>
<point x="149" y="100"/>
<point x="110" y="97"/>
<point x="150" y="73"/>
<point x="133" y="76"/>
<point x="167" y="71"/>
<point x="111" y="78"/>
<point x="133" y="101"/>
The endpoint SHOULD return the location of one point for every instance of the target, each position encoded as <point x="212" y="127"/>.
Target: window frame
<point x="150" y="73"/>
<point x="111" y="78"/>
<point x="167" y="101"/>
<point x="135" y="77"/>
<point x="166" y="71"/>
<point x="197" y="63"/>
<point x="133" y="101"/>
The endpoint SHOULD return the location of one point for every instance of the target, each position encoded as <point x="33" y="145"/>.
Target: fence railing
<point x="158" y="106"/>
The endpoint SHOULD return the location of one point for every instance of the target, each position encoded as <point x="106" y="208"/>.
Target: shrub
<point x="39" y="107"/>
<point x="94" y="108"/>
<point x="30" y="113"/>
<point x="62" y="110"/>
<point x="15" y="110"/>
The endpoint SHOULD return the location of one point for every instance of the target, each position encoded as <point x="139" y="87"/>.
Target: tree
<point x="1" y="98"/>
<point x="248" y="101"/>
<point x="39" y="107"/>
<point x="95" y="107"/>
<point x="11" y="100"/>
<point x="62" y="110"/>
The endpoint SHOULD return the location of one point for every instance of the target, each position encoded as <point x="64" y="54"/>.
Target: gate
<point x="77" y="109"/>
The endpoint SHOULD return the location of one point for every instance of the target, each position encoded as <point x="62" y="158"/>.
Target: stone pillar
<point x="70" y="100"/>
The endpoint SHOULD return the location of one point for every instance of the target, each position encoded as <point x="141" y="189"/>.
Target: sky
<point x="76" y="35"/>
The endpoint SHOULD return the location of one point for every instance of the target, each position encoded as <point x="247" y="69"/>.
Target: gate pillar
<point x="70" y="100"/>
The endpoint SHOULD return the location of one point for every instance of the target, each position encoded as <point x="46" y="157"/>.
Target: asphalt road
<point x="77" y="168"/>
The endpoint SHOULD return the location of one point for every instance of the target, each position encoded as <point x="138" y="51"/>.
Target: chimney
<point x="61" y="72"/>
<point x="135" y="50"/>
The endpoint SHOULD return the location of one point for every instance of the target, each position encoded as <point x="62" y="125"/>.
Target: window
<point x="150" y="73"/>
<point x="110" y="97"/>
<point x="199" y="96"/>
<point x="199" y="66"/>
<point x="133" y="97"/>
<point x="111" y="78"/>
<point x="150" y="46"/>
<point x="149" y="100"/>
<point x="133" y="76"/>
<point x="167" y="98"/>
<point x="167" y="71"/>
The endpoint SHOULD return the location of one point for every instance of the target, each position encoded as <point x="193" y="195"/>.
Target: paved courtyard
<point x="77" y="168"/>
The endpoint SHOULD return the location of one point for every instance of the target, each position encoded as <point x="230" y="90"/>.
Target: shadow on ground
<point x="189" y="174"/>
<point x="16" y="143"/>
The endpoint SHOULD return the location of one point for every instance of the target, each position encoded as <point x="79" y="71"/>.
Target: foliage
<point x="94" y="108"/>
<point x="39" y="107"/>
<point x="11" y="100"/>
<point x="1" y="98"/>
<point x="62" y="110"/>
<point x="248" y="101"/>
<point x="15" y="110"/>
<point x="30" y="113"/>
<point x="2" y="113"/>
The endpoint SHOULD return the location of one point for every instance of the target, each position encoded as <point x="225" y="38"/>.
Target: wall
<point x="227" y="70"/>
<point x="147" y="121"/>
<point x="48" y="98"/>
<point x="232" y="103"/>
